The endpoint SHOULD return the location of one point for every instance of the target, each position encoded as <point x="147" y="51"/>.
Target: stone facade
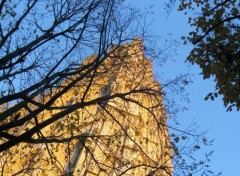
<point x="122" y="135"/>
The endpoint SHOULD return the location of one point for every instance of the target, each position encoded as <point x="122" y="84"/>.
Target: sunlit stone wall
<point x="126" y="135"/>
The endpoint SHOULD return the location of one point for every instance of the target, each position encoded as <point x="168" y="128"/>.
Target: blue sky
<point x="222" y="126"/>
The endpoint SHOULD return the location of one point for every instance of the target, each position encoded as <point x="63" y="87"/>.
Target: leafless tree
<point x="43" y="51"/>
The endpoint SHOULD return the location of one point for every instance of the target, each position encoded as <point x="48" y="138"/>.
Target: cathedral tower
<point x="118" y="128"/>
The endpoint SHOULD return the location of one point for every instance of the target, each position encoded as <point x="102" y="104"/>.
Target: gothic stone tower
<point x="120" y="130"/>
